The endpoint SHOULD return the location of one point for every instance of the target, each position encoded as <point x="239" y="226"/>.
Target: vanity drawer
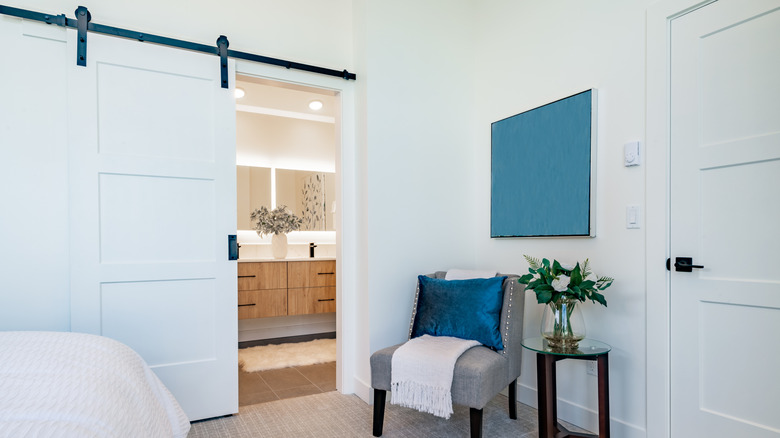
<point x="311" y="274"/>
<point x="271" y="275"/>
<point x="262" y="303"/>
<point x="303" y="301"/>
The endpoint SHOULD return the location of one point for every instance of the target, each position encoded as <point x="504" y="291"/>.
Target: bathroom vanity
<point x="270" y="288"/>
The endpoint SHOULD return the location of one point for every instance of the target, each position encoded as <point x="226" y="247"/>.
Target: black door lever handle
<point x="685" y="264"/>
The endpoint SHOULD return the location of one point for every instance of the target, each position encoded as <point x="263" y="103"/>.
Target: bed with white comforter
<point x="80" y="385"/>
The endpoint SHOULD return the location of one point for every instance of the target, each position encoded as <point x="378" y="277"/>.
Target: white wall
<point x="531" y="53"/>
<point x="416" y="61"/>
<point x="285" y="143"/>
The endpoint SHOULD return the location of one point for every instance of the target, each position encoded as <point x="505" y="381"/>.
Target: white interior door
<point x="725" y="205"/>
<point x="152" y="200"/>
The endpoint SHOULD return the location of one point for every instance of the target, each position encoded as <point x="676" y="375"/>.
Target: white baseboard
<point x="363" y="390"/>
<point x="581" y="416"/>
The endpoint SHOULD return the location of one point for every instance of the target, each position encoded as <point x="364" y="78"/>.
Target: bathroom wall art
<point x="313" y="202"/>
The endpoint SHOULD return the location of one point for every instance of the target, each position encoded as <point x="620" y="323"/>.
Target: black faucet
<point x="311" y="249"/>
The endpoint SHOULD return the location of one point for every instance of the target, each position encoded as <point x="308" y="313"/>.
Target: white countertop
<point x="290" y="259"/>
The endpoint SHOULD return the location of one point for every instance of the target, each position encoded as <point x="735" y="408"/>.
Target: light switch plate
<point x="631" y="154"/>
<point x="633" y="216"/>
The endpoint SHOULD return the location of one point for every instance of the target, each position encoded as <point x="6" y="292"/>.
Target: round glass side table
<point x="546" y="358"/>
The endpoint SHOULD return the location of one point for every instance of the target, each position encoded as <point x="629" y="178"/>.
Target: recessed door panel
<point x="135" y="117"/>
<point x="156" y="219"/>
<point x="736" y="211"/>
<point x="730" y="87"/>
<point x="732" y="385"/>
<point x="177" y="324"/>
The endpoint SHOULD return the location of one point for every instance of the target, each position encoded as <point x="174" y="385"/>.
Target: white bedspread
<point x="79" y="385"/>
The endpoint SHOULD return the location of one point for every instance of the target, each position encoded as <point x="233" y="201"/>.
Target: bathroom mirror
<point x="310" y="195"/>
<point x="253" y="186"/>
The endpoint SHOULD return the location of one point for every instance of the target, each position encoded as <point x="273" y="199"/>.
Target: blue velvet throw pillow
<point x="466" y="309"/>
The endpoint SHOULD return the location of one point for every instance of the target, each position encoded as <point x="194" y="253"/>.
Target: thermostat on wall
<point x="631" y="153"/>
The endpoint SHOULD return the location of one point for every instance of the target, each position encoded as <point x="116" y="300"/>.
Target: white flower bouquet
<point x="556" y="281"/>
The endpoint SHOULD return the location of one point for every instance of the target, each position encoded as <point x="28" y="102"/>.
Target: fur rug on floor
<point x="270" y="357"/>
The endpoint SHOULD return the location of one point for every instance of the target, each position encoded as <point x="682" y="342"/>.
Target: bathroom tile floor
<point x="270" y="385"/>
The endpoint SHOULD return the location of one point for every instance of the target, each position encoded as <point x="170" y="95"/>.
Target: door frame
<point x="346" y="203"/>
<point x="658" y="222"/>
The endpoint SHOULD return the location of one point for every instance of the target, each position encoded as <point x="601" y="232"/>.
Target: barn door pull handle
<point x="685" y="264"/>
<point x="233" y="247"/>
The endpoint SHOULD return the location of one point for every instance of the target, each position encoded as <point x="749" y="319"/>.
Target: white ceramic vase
<point x="279" y="245"/>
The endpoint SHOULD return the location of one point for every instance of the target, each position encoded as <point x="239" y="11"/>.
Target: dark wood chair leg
<point x="513" y="400"/>
<point x="476" y="422"/>
<point x="380" y="395"/>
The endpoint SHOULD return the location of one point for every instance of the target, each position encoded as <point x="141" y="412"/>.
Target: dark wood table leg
<point x="603" y="386"/>
<point x="547" y="398"/>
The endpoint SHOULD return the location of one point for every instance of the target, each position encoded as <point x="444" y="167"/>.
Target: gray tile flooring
<point x="270" y="385"/>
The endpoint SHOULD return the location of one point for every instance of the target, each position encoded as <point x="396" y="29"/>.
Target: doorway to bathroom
<point x="286" y="153"/>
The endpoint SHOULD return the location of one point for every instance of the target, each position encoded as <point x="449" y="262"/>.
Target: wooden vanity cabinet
<point x="262" y="290"/>
<point x="311" y="274"/>
<point x="286" y="288"/>
<point x="253" y="276"/>
<point x="306" y="300"/>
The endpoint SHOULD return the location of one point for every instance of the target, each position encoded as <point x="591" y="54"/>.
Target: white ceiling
<point x="264" y="94"/>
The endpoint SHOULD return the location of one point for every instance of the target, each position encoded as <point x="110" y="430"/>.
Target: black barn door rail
<point x="83" y="23"/>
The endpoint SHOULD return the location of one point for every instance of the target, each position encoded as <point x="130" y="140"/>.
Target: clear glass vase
<point x="563" y="325"/>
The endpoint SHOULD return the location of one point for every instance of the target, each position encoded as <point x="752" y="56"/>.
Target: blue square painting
<point x="543" y="170"/>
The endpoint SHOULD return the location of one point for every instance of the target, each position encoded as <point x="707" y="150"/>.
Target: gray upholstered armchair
<point x="480" y="373"/>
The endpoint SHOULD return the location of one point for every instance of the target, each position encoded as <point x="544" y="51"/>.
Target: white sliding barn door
<point x="725" y="205"/>
<point x="33" y="177"/>
<point x="152" y="200"/>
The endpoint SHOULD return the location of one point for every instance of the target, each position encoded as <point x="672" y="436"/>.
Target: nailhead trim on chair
<point x="414" y="312"/>
<point x="508" y="315"/>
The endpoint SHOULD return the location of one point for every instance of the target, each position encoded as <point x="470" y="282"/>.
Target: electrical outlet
<point x="591" y="368"/>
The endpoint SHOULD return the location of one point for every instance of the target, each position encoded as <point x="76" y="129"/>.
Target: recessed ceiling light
<point x="316" y="105"/>
<point x="239" y="93"/>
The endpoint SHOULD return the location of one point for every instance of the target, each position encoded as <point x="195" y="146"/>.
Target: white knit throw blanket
<point x="422" y="371"/>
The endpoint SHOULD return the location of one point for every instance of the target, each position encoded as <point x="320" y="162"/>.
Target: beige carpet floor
<point x="334" y="415"/>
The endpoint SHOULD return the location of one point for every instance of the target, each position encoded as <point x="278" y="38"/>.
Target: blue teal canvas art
<point x="542" y="170"/>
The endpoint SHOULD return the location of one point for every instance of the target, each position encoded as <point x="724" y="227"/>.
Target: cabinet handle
<point x="244" y="305"/>
<point x="325" y="273"/>
<point x="247" y="276"/>
<point x="328" y="299"/>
